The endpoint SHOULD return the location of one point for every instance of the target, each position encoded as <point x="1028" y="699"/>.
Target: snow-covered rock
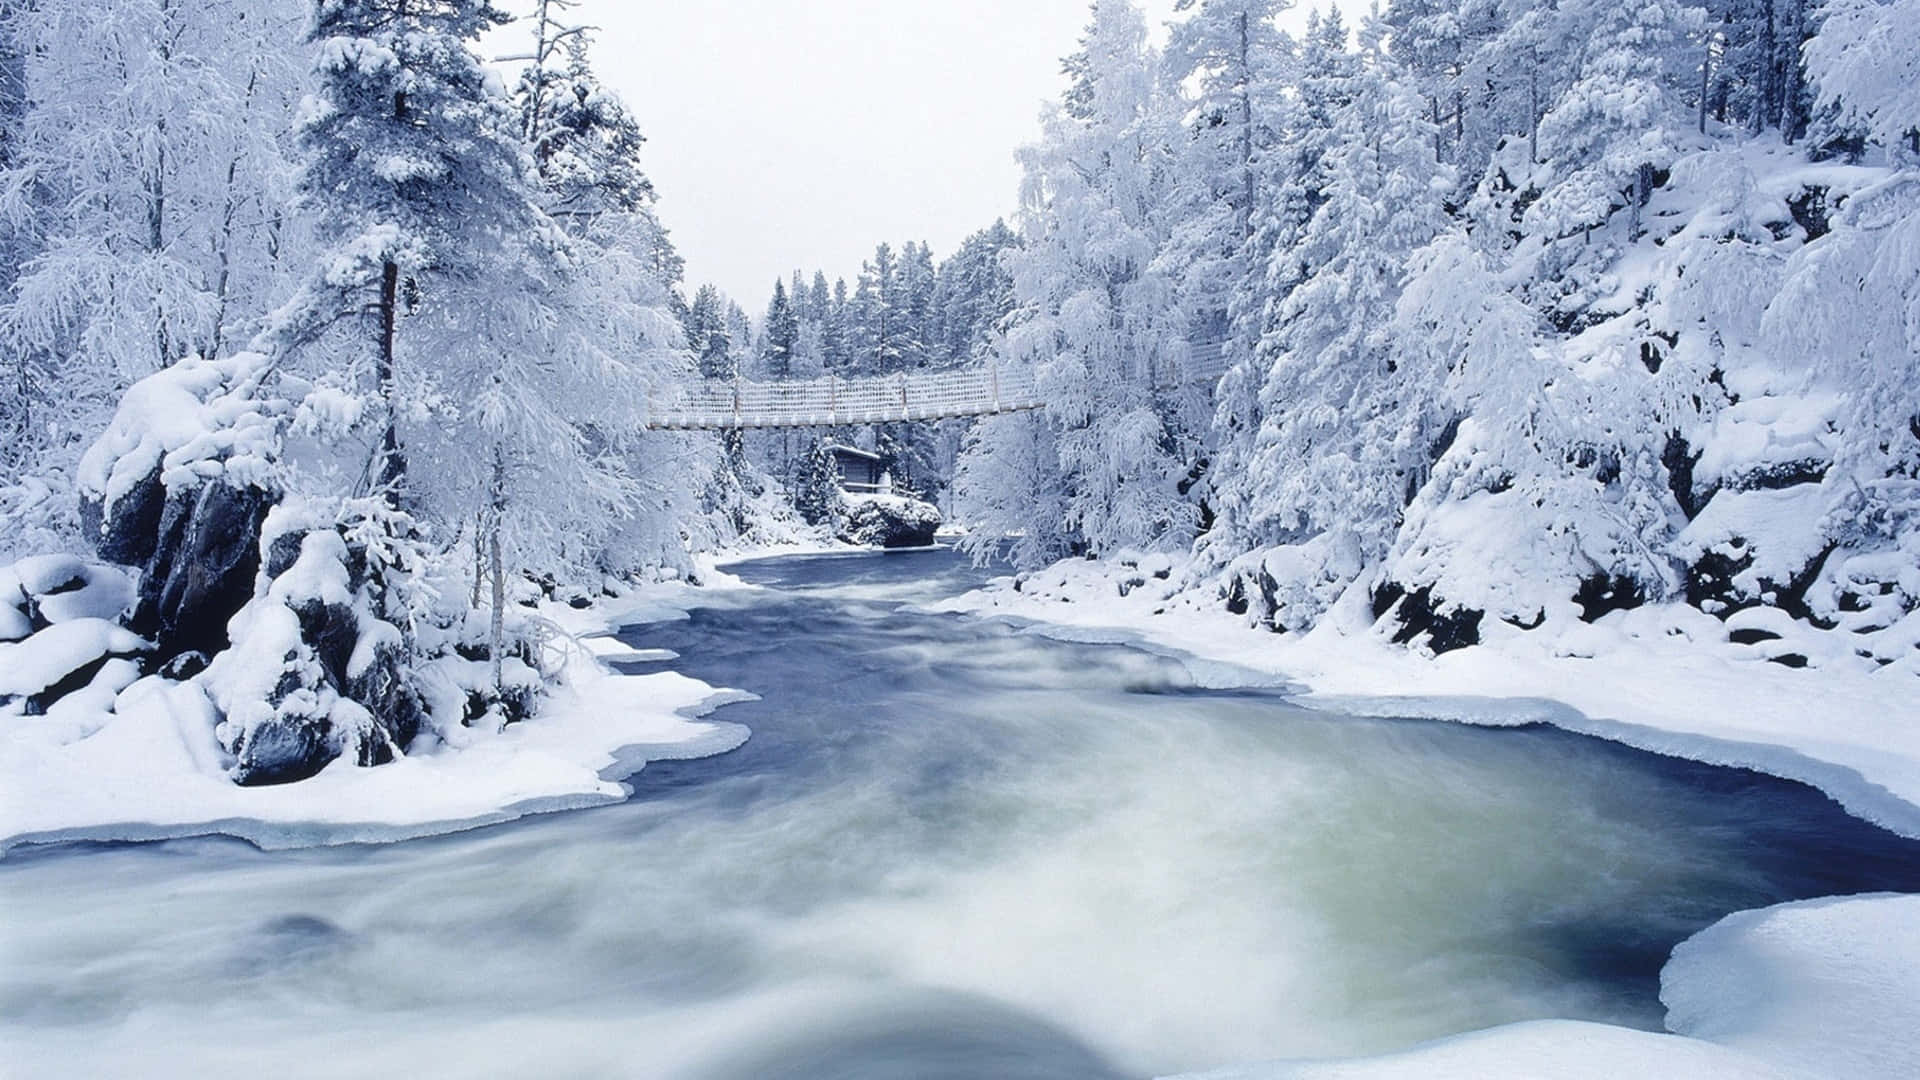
<point x="64" y="656"/>
<point x="59" y="628"/>
<point x="314" y="672"/>
<point x="889" y="521"/>
<point x="178" y="486"/>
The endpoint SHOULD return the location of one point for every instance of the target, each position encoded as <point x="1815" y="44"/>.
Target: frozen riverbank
<point x="1663" y="678"/>
<point x="1821" y="988"/>
<point x="145" y="765"/>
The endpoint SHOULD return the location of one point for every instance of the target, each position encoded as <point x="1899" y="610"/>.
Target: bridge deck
<point x="873" y="399"/>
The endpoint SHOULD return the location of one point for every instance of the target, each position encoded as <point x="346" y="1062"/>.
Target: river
<point x="951" y="848"/>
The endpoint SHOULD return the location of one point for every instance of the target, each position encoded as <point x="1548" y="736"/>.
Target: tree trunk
<point x="479" y="558"/>
<point x="1533" y="110"/>
<point x="496" y="512"/>
<point x="1246" y="131"/>
<point x="393" y="469"/>
<point x="1706" y="71"/>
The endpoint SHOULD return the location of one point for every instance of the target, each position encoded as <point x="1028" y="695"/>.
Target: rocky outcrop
<point x="178" y="486"/>
<point x="889" y="521"/>
<point x="315" y="673"/>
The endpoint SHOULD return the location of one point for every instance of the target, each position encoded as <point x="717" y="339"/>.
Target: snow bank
<point x="1785" y="991"/>
<point x="1827" y="986"/>
<point x="1664" y="677"/>
<point x="1538" y="1050"/>
<point x="144" y="763"/>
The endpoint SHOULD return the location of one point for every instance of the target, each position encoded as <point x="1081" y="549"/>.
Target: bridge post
<point x="903" y="396"/>
<point x="993" y="372"/>
<point x="736" y="401"/>
<point x="833" y="399"/>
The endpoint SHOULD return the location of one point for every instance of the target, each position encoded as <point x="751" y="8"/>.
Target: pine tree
<point x="1344" y="424"/>
<point x="782" y="330"/>
<point x="411" y="169"/>
<point x="708" y="336"/>
<point x="817" y="496"/>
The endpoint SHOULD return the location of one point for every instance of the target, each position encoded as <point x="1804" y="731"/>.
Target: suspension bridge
<point x="830" y="401"/>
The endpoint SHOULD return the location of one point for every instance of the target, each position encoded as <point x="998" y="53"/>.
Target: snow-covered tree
<point x="1347" y="426"/>
<point x="1099" y="323"/>
<point x="782" y="332"/>
<point x="140" y="199"/>
<point x="1865" y="70"/>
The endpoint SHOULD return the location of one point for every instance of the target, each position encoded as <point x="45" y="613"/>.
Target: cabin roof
<point x="850" y="451"/>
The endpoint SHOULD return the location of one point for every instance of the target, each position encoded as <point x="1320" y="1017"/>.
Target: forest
<point x="329" y="342"/>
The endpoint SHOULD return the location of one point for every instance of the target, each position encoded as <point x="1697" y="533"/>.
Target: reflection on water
<point x="951" y="849"/>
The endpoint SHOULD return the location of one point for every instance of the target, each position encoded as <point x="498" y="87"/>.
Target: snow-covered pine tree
<point x="782" y="330"/>
<point x="707" y="334"/>
<point x="414" y="177"/>
<point x="1321" y="85"/>
<point x="974" y="292"/>
<point x="1348" y="429"/>
<point x="1094" y="316"/>
<point x="1228" y="165"/>
<point x="1620" y="122"/>
<point x="817" y="496"/>
<point x="605" y="497"/>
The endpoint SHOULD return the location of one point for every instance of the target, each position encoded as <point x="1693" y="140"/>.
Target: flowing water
<point x="950" y="849"/>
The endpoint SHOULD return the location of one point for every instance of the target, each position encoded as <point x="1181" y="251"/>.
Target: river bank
<point x="1823" y="988"/>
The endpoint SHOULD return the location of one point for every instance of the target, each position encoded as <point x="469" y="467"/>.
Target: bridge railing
<point x="833" y="400"/>
<point x="876" y="399"/>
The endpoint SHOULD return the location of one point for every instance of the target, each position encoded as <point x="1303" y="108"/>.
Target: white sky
<point x="789" y="134"/>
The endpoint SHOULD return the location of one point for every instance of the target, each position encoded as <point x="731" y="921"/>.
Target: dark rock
<point x="1810" y="212"/>
<point x="77" y="679"/>
<point x="331" y="630"/>
<point x="184" y="666"/>
<point x="1751" y="636"/>
<point x="282" y="750"/>
<point x="1711" y="587"/>
<point x="1236" y="595"/>
<point x="1792" y="660"/>
<point x="129" y="538"/>
<point x="202" y="567"/>
<point x="1600" y="595"/>
<point x="297" y="741"/>
<point x="385" y="690"/>
<point x="1781" y="474"/>
<point x="1679" y="458"/>
<point x="283" y="552"/>
<point x="1418" y="613"/>
<point x="1539" y="619"/>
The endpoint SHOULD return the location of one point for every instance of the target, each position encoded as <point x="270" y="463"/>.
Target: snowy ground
<point x="1826" y="988"/>
<point x="150" y="768"/>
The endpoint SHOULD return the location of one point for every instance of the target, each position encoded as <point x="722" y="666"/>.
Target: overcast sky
<point x="798" y="133"/>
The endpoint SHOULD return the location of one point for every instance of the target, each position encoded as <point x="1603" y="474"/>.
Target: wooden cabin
<point x="859" y="469"/>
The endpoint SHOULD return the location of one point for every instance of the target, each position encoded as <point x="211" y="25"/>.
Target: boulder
<point x="313" y="673"/>
<point x="890" y="521"/>
<point x="202" y="568"/>
<point x="178" y="486"/>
